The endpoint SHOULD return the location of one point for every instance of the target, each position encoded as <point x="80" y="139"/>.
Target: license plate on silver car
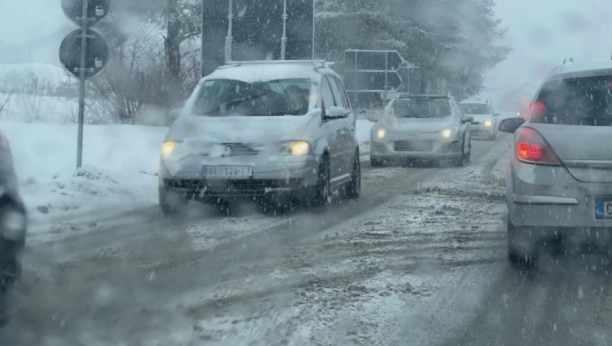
<point x="603" y="209"/>
<point x="227" y="172"/>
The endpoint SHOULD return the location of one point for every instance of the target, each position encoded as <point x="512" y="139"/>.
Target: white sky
<point x="541" y="32"/>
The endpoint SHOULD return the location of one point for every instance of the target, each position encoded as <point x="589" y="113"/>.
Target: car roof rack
<point x="316" y="63"/>
<point x="438" y="96"/>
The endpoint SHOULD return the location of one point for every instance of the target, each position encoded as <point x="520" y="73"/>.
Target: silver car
<point x="559" y="186"/>
<point x="422" y="127"/>
<point x="484" y="125"/>
<point x="269" y="131"/>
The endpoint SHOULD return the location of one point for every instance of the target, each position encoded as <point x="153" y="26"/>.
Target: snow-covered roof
<point x="261" y="71"/>
<point x="474" y="101"/>
<point x="580" y="69"/>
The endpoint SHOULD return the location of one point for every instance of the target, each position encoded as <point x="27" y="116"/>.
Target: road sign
<point x="372" y="70"/>
<point x="373" y="81"/>
<point x="373" y="60"/>
<point x="84" y="53"/>
<point x="97" y="54"/>
<point x="97" y="10"/>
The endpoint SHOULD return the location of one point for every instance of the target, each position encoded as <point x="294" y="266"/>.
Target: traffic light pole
<point x="83" y="75"/>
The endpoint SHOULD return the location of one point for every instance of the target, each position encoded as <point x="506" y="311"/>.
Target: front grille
<point x="240" y="149"/>
<point x="231" y="188"/>
<point x="413" y="146"/>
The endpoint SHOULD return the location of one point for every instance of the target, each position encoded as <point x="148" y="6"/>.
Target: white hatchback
<point x="271" y="131"/>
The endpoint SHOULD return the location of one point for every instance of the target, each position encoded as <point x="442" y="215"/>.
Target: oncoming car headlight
<point x="13" y="224"/>
<point x="168" y="148"/>
<point x="447" y="133"/>
<point x="488" y="123"/>
<point x="295" y="148"/>
<point x="382" y="133"/>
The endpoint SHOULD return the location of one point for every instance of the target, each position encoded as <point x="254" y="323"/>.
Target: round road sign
<point x="98" y="53"/>
<point x="97" y="10"/>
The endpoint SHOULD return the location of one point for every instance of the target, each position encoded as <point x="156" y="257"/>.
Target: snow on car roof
<point x="578" y="70"/>
<point x="262" y="71"/>
<point x="472" y="101"/>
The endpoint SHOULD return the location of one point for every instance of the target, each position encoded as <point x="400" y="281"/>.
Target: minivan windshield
<point x="226" y="97"/>
<point x="583" y="101"/>
<point x="475" y="108"/>
<point x="421" y="108"/>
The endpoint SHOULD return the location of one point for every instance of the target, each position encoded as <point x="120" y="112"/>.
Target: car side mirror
<point x="336" y="113"/>
<point x="467" y="119"/>
<point x="173" y="115"/>
<point x="511" y="125"/>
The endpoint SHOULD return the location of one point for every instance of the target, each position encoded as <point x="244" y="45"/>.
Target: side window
<point x="341" y="92"/>
<point x="335" y="91"/>
<point x="326" y="94"/>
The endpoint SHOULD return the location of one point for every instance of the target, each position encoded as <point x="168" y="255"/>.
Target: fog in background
<point x="541" y="33"/>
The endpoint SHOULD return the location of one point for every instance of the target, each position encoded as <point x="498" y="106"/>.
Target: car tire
<point x="321" y="196"/>
<point x="460" y="162"/>
<point x="518" y="260"/>
<point x="353" y="189"/>
<point x="376" y="162"/>
<point x="4" y="318"/>
<point x="172" y="202"/>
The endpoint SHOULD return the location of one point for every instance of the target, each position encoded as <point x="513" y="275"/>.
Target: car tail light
<point x="532" y="148"/>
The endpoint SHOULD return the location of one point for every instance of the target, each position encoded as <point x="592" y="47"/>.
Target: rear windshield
<point x="225" y="97"/>
<point x="577" y="101"/>
<point x="421" y="108"/>
<point x="475" y="108"/>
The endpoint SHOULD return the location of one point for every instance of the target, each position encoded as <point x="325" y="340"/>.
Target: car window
<point x="225" y="97"/>
<point x="335" y="91"/>
<point x="341" y="93"/>
<point x="475" y="108"/>
<point x="583" y="101"/>
<point x="327" y="94"/>
<point x="421" y="108"/>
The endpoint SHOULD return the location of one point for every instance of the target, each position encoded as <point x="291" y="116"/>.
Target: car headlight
<point x="488" y="123"/>
<point x="168" y="148"/>
<point x="295" y="148"/>
<point x="13" y="224"/>
<point x="382" y="133"/>
<point x="447" y="133"/>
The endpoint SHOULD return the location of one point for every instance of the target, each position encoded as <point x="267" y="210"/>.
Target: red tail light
<point x="532" y="148"/>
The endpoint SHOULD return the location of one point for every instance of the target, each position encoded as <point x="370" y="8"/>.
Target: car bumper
<point x="271" y="175"/>
<point x="545" y="202"/>
<point x="425" y="147"/>
<point x="481" y="131"/>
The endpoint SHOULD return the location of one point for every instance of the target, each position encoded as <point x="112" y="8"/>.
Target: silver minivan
<point x="272" y="131"/>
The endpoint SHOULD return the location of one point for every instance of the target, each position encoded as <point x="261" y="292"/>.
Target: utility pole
<point x="229" y="39"/>
<point x="284" y="39"/>
<point x="314" y="25"/>
<point x="83" y="71"/>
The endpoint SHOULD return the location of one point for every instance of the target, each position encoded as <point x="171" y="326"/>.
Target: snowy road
<point x="418" y="260"/>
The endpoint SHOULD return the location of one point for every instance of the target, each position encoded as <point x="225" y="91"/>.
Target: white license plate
<point x="603" y="209"/>
<point x="227" y="172"/>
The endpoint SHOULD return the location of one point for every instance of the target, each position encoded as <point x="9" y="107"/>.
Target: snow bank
<point x="120" y="163"/>
<point x="22" y="77"/>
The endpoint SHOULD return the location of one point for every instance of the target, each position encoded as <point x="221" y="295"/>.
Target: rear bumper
<point x="531" y="240"/>
<point x="548" y="196"/>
